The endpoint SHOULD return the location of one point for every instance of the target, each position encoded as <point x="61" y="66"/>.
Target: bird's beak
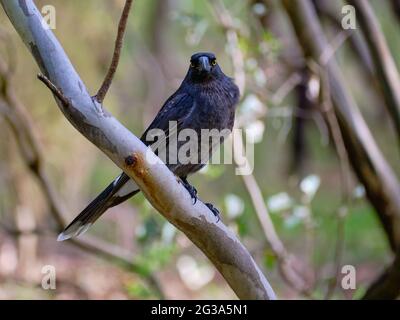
<point x="204" y="64"/>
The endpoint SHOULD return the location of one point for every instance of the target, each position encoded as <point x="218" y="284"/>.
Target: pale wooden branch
<point x="117" y="53"/>
<point x="20" y="123"/>
<point x="157" y="182"/>
<point x="384" y="64"/>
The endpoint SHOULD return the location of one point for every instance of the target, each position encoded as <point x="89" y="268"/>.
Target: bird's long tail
<point x="121" y="189"/>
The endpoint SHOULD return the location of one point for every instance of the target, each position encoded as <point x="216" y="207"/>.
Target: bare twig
<point x="117" y="52"/>
<point x="57" y="92"/>
<point x="328" y="113"/>
<point x="385" y="66"/>
<point x="386" y="286"/>
<point x="372" y="169"/>
<point x="396" y="8"/>
<point x="387" y="72"/>
<point x="329" y="10"/>
<point x="380" y="182"/>
<point x="26" y="140"/>
<point x="14" y="112"/>
<point x="226" y="22"/>
<point x="286" y="261"/>
<point x="285" y="88"/>
<point x="335" y="45"/>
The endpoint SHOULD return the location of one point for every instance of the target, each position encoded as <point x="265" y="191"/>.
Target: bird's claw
<point x="214" y="210"/>
<point x="192" y="190"/>
<point x="193" y="193"/>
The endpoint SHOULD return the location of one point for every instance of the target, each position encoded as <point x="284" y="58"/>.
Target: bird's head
<point x="204" y="67"/>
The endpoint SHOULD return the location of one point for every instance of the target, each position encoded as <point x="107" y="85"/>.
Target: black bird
<point x="206" y="99"/>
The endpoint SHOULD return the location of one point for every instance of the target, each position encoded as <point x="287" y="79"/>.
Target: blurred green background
<point x="304" y="193"/>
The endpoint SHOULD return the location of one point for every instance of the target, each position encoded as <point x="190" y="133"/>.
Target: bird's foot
<point x="214" y="210"/>
<point x="192" y="190"/>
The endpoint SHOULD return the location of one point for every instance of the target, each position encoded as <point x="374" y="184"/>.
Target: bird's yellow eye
<point x="192" y="65"/>
<point x="214" y="62"/>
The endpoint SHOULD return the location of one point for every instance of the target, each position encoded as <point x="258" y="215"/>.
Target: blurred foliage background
<point x="321" y="222"/>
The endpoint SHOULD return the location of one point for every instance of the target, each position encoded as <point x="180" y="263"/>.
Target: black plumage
<point x="206" y="99"/>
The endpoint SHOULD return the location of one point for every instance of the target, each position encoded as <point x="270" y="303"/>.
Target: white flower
<point x="279" y="202"/>
<point x="309" y="186"/>
<point x="193" y="275"/>
<point x="255" y="131"/>
<point x="234" y="206"/>
<point x="252" y="104"/>
<point x="301" y="212"/>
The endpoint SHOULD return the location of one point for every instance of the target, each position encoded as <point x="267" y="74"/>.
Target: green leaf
<point x="270" y="260"/>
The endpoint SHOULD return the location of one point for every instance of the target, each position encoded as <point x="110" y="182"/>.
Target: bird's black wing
<point x="176" y="108"/>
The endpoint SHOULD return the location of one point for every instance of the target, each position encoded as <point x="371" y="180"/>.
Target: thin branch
<point x="14" y="112"/>
<point x="97" y="248"/>
<point x="158" y="184"/>
<point x="328" y="10"/>
<point x="57" y="92"/>
<point x="334" y="46"/>
<point x="396" y="8"/>
<point x="373" y="171"/>
<point x="117" y="52"/>
<point x="286" y="260"/>
<point x="226" y="22"/>
<point x="286" y="87"/>
<point x="327" y="110"/>
<point x="387" y="285"/>
<point x="385" y="66"/>
<point x="57" y="209"/>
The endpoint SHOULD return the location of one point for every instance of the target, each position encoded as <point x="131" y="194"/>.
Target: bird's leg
<point x="214" y="210"/>
<point x="193" y="193"/>
<point x="192" y="190"/>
